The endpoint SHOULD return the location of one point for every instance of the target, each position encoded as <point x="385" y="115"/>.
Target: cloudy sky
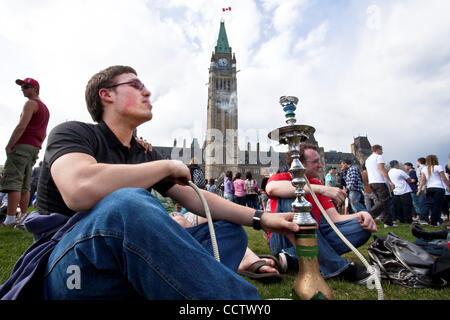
<point x="375" y="68"/>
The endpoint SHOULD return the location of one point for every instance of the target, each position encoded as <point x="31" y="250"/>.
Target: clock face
<point x="223" y="62"/>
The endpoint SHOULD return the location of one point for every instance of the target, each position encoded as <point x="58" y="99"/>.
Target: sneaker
<point x="437" y="225"/>
<point x="21" y="218"/>
<point x="283" y="262"/>
<point x="19" y="226"/>
<point x="286" y="262"/>
<point x="423" y="222"/>
<point x="390" y="225"/>
<point x="354" y="273"/>
<point x="3" y="225"/>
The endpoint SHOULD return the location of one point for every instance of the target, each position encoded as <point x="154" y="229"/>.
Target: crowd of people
<point x="95" y="209"/>
<point x="395" y="194"/>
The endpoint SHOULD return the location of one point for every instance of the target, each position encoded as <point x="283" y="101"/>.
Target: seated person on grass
<point x="357" y="227"/>
<point x="94" y="193"/>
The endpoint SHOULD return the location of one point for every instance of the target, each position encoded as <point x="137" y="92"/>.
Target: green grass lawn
<point x="344" y="290"/>
<point x="14" y="242"/>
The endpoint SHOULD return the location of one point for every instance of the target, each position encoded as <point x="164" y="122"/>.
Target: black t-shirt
<point x="96" y="140"/>
<point x="264" y="183"/>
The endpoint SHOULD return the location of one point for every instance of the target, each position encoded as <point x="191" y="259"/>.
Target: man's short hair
<point x="302" y="149"/>
<point x="376" y="147"/>
<point x="393" y="163"/>
<point x="102" y="79"/>
<point x="409" y="164"/>
<point x="347" y="161"/>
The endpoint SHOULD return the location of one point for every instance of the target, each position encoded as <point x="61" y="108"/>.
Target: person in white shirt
<point x="402" y="192"/>
<point x="380" y="182"/>
<point x="436" y="182"/>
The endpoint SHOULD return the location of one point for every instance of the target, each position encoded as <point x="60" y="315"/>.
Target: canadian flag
<point x="226" y="9"/>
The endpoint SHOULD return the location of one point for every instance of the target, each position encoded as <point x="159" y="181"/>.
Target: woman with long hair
<point x="436" y="182"/>
<point x="239" y="189"/>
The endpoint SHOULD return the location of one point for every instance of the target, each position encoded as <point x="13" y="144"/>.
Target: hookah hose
<point x="210" y="223"/>
<point x="373" y="281"/>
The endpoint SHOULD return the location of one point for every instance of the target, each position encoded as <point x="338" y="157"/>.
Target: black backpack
<point x="197" y="176"/>
<point x="403" y="262"/>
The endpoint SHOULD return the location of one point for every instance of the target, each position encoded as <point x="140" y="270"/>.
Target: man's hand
<point x="280" y="223"/>
<point x="367" y="222"/>
<point x="147" y="145"/>
<point x="179" y="172"/>
<point x="392" y="186"/>
<point x="338" y="195"/>
<point x="8" y="149"/>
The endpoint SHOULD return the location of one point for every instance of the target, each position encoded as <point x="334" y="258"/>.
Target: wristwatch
<point x="257" y="219"/>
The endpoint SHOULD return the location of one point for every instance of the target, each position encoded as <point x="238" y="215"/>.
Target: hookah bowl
<point x="309" y="284"/>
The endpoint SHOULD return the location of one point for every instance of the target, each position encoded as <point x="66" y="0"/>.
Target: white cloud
<point x="381" y="68"/>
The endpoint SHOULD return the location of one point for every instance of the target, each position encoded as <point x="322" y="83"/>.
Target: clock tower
<point x="221" y="145"/>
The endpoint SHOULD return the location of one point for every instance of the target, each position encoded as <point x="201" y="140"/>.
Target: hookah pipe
<point x="309" y="283"/>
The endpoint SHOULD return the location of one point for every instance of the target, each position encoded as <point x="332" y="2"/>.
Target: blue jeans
<point x="416" y="202"/>
<point x="423" y="210"/>
<point x="128" y="247"/>
<point x="228" y="196"/>
<point x="331" y="247"/>
<point x="354" y="197"/>
<point x="433" y="202"/>
<point x="251" y="200"/>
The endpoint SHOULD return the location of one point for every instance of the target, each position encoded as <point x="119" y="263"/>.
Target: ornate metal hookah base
<point x="309" y="283"/>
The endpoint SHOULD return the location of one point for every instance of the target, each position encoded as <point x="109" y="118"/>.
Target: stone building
<point x="220" y="151"/>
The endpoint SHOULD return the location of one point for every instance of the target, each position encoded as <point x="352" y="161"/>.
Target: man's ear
<point x="105" y="95"/>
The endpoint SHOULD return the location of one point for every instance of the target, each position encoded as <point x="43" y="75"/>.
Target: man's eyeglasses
<point x="134" y="83"/>
<point x="27" y="86"/>
<point x="314" y="161"/>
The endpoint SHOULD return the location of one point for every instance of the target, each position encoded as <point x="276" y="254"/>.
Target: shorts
<point x="264" y="197"/>
<point x="18" y="166"/>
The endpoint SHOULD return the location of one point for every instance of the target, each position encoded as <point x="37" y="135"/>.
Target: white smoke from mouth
<point x="158" y="93"/>
<point x="227" y="102"/>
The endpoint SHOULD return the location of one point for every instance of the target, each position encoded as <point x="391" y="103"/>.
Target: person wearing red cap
<point x="22" y="150"/>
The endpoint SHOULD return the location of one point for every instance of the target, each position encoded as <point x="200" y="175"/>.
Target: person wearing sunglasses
<point x="22" y="151"/>
<point x="103" y="235"/>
